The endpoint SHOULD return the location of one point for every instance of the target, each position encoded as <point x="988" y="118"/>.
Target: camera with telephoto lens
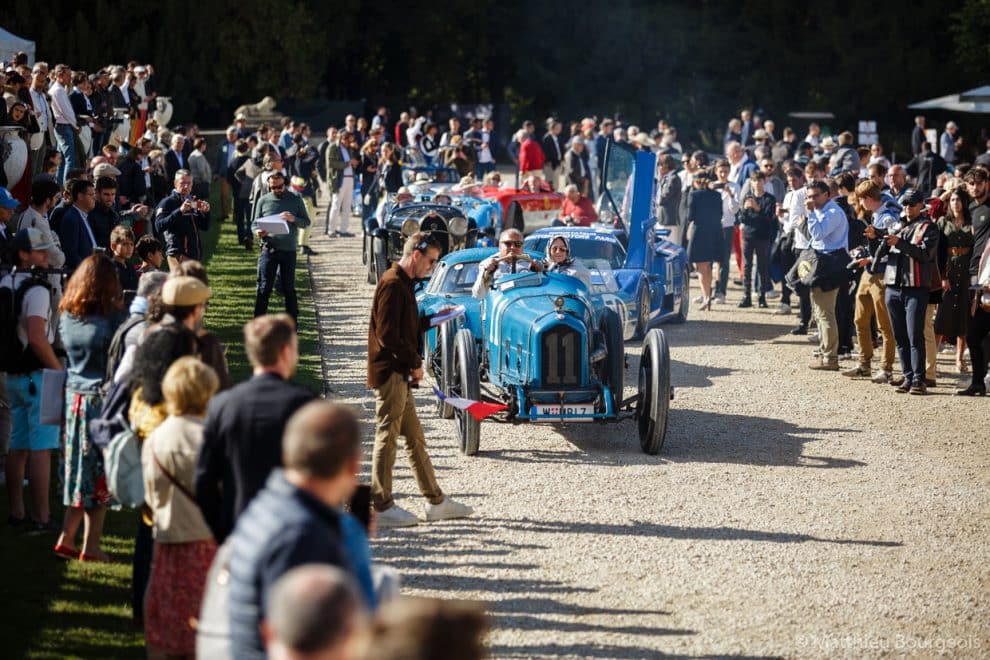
<point x="892" y="229"/>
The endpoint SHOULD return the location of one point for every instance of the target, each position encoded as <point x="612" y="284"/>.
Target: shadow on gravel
<point x="686" y="374"/>
<point x="677" y="532"/>
<point x="722" y="333"/>
<point x="701" y="435"/>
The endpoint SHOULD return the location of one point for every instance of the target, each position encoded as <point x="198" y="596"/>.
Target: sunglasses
<point x="278" y="188"/>
<point x="514" y="244"/>
<point x="559" y="249"/>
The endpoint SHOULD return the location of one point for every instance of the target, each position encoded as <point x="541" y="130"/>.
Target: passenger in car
<point x="559" y="260"/>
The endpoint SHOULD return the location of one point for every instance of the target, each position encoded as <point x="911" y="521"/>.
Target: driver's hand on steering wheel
<point x="536" y="266"/>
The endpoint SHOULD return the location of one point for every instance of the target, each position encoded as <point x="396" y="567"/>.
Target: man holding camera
<point x="979" y="322"/>
<point x="910" y="251"/>
<point x="871" y="290"/>
<point x="180" y="217"/>
<point x="278" y="251"/>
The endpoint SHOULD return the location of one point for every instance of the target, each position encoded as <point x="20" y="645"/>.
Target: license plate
<point x="567" y="412"/>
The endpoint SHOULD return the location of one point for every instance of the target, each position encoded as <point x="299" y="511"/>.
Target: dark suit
<point x="926" y="167"/>
<point x="102" y="220"/>
<point x="553" y="150"/>
<point x="75" y="240"/>
<point x="223" y="157"/>
<point x="172" y="164"/>
<point x="131" y="183"/>
<point x="917" y="137"/>
<point x="242" y="444"/>
<point x="576" y="171"/>
<point x="669" y="200"/>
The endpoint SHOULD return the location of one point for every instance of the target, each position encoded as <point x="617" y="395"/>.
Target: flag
<point x="477" y="409"/>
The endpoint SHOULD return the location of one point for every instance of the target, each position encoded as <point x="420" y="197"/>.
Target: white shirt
<point x="41" y="107"/>
<point x="348" y="170"/>
<point x="794" y="203"/>
<point x="147" y="175"/>
<point x="730" y="204"/>
<point x="485" y="152"/>
<point x="61" y="106"/>
<point x="37" y="303"/>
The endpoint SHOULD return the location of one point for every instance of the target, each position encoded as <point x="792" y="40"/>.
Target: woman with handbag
<point x="184" y="547"/>
<point x="92" y="308"/>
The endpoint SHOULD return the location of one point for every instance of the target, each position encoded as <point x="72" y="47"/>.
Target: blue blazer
<point x="75" y="240"/>
<point x="223" y="153"/>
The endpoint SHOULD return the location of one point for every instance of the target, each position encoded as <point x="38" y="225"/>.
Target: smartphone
<point x="360" y="505"/>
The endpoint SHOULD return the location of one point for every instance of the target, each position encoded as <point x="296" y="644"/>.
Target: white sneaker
<point x="772" y="294"/>
<point x="395" y="516"/>
<point x="446" y="510"/>
<point x="719" y="298"/>
<point x="783" y="309"/>
<point x="698" y="299"/>
<point x="881" y="376"/>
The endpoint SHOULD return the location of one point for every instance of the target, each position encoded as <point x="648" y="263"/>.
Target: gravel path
<point x="790" y="513"/>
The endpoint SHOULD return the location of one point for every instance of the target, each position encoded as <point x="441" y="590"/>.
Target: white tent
<point x="976" y="101"/>
<point x="11" y="44"/>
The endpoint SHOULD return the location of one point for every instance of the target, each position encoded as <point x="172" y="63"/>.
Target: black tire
<point x="613" y="367"/>
<point x="467" y="385"/>
<point x="643" y="317"/>
<point x="514" y="218"/>
<point x="653" y="404"/>
<point x="379" y="258"/>
<point x="445" y="372"/>
<point x="365" y="249"/>
<point x="685" y="306"/>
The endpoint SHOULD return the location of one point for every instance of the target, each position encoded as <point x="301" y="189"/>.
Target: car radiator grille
<point x="438" y="229"/>
<point x="561" y="356"/>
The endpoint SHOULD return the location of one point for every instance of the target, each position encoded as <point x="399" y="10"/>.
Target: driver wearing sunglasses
<point x="510" y="259"/>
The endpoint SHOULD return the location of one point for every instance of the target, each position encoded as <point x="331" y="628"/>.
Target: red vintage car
<point x="524" y="209"/>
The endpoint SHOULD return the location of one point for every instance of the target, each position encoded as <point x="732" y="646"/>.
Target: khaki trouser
<point x="828" y="331"/>
<point x="395" y="415"/>
<point x="870" y="301"/>
<point x="931" y="347"/>
<point x="225" y="197"/>
<point x="303" y="236"/>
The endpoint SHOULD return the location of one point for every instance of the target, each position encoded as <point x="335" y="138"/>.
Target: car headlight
<point x="410" y="227"/>
<point x="458" y="227"/>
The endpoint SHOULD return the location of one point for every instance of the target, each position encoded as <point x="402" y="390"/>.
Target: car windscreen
<point x="457" y="278"/>
<point x="618" y="177"/>
<point x="594" y="254"/>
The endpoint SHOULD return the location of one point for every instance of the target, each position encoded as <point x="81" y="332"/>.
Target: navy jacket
<point x="181" y="231"/>
<point x="75" y="240"/>
<point x="284" y="527"/>
<point x="242" y="444"/>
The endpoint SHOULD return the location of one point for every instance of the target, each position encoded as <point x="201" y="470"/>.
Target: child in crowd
<point x="122" y="245"/>
<point x="151" y="253"/>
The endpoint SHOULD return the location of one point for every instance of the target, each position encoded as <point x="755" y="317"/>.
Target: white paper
<point x="452" y="313"/>
<point x="52" y="406"/>
<point x="273" y="224"/>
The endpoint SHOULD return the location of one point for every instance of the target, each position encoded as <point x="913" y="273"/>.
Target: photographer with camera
<point x="278" y="252"/>
<point x="871" y="291"/>
<point x="909" y="248"/>
<point x="180" y="217"/>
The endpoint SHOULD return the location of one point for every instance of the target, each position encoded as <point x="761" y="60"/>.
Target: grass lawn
<point x="57" y="609"/>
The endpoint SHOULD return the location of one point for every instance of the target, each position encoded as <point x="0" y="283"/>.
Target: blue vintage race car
<point x="649" y="286"/>
<point x="544" y="345"/>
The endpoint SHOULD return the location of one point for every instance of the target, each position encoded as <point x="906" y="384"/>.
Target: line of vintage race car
<point x="545" y="345"/>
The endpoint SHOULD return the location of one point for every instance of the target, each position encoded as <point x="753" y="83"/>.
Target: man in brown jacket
<point x="394" y="368"/>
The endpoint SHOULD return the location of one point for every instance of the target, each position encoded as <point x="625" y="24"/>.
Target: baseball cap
<point x="911" y="196"/>
<point x="31" y="238"/>
<point x="7" y="200"/>
<point x="184" y="291"/>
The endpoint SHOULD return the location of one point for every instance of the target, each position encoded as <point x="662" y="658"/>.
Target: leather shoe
<point x="919" y="388"/>
<point x="898" y="381"/>
<point x="800" y="330"/>
<point x="973" y="390"/>
<point x="823" y="365"/>
<point x="930" y="382"/>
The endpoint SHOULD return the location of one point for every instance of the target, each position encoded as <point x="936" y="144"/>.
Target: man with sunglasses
<point x="510" y="244"/>
<point x="278" y="252"/>
<point x="394" y="368"/>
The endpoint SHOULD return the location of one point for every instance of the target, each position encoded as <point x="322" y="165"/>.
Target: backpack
<point x="122" y="461"/>
<point x="14" y="361"/>
<point x="113" y="415"/>
<point x="213" y="627"/>
<point x="117" y="348"/>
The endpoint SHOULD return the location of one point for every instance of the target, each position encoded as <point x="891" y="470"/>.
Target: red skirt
<point x="175" y="593"/>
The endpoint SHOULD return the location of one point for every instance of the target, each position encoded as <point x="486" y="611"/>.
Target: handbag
<point x="171" y="477"/>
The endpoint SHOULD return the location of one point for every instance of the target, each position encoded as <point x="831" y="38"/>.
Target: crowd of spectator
<point x="251" y="480"/>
